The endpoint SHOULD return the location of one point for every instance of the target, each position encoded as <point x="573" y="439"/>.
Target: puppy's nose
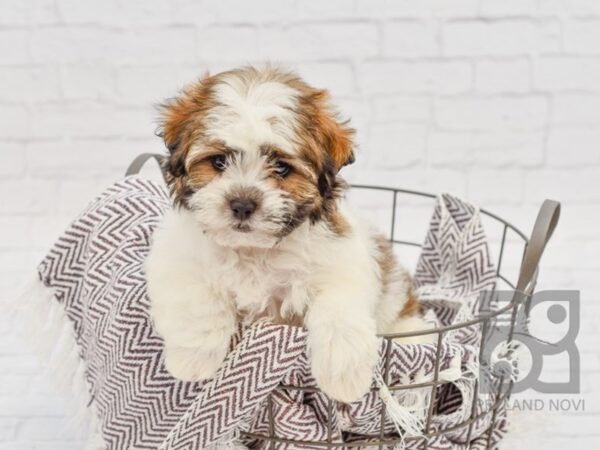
<point x="242" y="207"/>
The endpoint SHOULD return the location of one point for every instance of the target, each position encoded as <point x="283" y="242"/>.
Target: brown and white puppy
<point x="259" y="229"/>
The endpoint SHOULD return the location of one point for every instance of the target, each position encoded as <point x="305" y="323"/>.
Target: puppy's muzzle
<point x="242" y="208"/>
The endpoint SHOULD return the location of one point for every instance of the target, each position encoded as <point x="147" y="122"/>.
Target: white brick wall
<point x="494" y="100"/>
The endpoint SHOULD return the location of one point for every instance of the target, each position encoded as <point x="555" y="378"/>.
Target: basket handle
<point x="546" y="222"/>
<point x="139" y="161"/>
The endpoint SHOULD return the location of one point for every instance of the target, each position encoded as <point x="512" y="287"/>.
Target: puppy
<point x="259" y="230"/>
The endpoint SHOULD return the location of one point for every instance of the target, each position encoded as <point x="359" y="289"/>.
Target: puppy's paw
<point x="193" y="364"/>
<point x="343" y="361"/>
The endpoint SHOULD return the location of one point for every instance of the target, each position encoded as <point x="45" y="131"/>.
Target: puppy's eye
<point x="219" y="162"/>
<point x="282" y="169"/>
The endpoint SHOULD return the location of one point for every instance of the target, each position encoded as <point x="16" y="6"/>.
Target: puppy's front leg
<point x="342" y="339"/>
<point x="195" y="320"/>
<point x="197" y="330"/>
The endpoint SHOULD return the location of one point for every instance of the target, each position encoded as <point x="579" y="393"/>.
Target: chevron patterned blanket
<point x="95" y="275"/>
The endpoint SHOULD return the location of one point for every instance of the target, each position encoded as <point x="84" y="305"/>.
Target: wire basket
<point x="521" y="282"/>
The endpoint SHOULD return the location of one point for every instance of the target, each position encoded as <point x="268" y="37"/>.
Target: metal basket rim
<point x="430" y="195"/>
<point x="479" y="318"/>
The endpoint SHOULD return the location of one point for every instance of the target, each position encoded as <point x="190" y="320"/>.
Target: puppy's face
<point x="253" y="154"/>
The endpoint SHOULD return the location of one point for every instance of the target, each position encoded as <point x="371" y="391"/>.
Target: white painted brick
<point x="73" y="44"/>
<point x="396" y="145"/>
<point x="66" y="444"/>
<point x="88" y="119"/>
<point x="401" y="38"/>
<point x="29" y="84"/>
<point x="11" y="283"/>
<point x="338" y="78"/>
<point x="576" y="109"/>
<point x="172" y="44"/>
<point x="88" y="82"/>
<point x="12" y="260"/>
<point x="440" y="77"/>
<point x="43" y="12"/>
<point x="505" y="37"/>
<point x="228" y="43"/>
<point x="23" y="364"/>
<point x="581" y="36"/>
<point x="76" y="44"/>
<point x="454" y="9"/>
<point x="317" y="41"/>
<point x="486" y="148"/>
<point x="425" y="179"/>
<point x="15" y="47"/>
<point x="5" y="328"/>
<point x="578" y="220"/>
<point x="41" y="385"/>
<point x="567" y="73"/>
<point x="85" y="11"/>
<point x="149" y="12"/>
<point x="541" y="441"/>
<point x="27" y="196"/>
<point x="190" y="11"/>
<point x="499" y="113"/>
<point x="14" y="121"/>
<point x="573" y="147"/>
<point x="575" y="7"/>
<point x="401" y="108"/>
<point x="577" y="423"/>
<point x="485" y="186"/>
<point x="85" y="158"/>
<point x="563" y="254"/>
<point x="43" y="428"/>
<point x="332" y="9"/>
<point x="499" y="76"/>
<point x="389" y="8"/>
<point x="13" y="13"/>
<point x="567" y="185"/>
<point x="417" y="8"/>
<point x="159" y="83"/>
<point x="8" y="427"/>
<point x="12" y="159"/>
<point x="504" y="8"/>
<point x="113" y="12"/>
<point x="12" y="345"/>
<point x="258" y="11"/>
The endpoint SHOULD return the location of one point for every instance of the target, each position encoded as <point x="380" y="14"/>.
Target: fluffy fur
<point x="269" y="140"/>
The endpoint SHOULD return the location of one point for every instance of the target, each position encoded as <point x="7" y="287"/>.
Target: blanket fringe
<point x="49" y="332"/>
<point x="403" y="417"/>
<point x="407" y="408"/>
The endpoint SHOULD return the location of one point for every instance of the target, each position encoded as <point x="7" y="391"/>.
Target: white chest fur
<point x="256" y="280"/>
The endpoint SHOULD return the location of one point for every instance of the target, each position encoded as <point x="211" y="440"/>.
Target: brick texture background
<point x="497" y="101"/>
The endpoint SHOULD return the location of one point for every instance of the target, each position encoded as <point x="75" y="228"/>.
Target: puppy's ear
<point x="181" y="122"/>
<point x="326" y="180"/>
<point x="335" y="135"/>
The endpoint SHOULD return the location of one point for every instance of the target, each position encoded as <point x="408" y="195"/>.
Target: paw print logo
<point x="505" y="360"/>
<point x="519" y="356"/>
<point x="501" y="360"/>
